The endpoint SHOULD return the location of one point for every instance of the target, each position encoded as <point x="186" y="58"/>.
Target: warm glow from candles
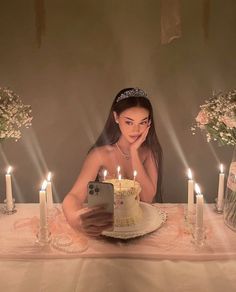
<point x="119" y="176"/>
<point x="118" y="169"/>
<point x="49" y="176"/>
<point x="190" y="176"/>
<point x="197" y="189"/>
<point x="9" y="170"/>
<point x="221" y="168"/>
<point x="135" y="173"/>
<point x="44" y="185"/>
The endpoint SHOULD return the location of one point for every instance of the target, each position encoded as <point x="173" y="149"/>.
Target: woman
<point x="129" y="140"/>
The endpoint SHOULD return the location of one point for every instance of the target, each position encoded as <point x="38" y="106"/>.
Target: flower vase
<point x="230" y="196"/>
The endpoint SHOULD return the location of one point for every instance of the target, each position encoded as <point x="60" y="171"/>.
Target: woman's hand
<point x="92" y="221"/>
<point x="134" y="146"/>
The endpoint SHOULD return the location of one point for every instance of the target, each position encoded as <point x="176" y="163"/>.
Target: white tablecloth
<point x="117" y="275"/>
<point x="152" y="263"/>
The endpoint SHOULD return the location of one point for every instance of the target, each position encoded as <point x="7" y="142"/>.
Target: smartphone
<point x="101" y="193"/>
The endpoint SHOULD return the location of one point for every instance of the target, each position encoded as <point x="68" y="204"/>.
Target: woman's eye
<point x="129" y="123"/>
<point x="143" y="123"/>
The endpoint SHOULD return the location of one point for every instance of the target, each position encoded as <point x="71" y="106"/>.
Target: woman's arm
<point x="91" y="220"/>
<point x="146" y="175"/>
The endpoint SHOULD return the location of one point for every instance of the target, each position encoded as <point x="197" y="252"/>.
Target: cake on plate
<point x="127" y="211"/>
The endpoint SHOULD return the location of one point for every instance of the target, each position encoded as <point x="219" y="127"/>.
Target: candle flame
<point x="9" y="170"/>
<point x="105" y="173"/>
<point x="221" y="168"/>
<point x="118" y="168"/>
<point x="197" y="189"/>
<point x="135" y="173"/>
<point x="119" y="176"/>
<point x="44" y="185"/>
<point x="190" y="176"/>
<point x="49" y="176"/>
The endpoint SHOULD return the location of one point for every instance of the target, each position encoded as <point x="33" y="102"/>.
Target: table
<point x="165" y="260"/>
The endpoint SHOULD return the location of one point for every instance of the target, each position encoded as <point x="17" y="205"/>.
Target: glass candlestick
<point x="199" y="236"/>
<point x="43" y="236"/>
<point x="9" y="209"/>
<point x="189" y="220"/>
<point x="219" y="209"/>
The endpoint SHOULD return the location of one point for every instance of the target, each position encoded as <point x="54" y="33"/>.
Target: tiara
<point x="136" y="92"/>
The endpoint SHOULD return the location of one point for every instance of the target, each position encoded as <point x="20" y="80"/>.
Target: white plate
<point x="153" y="218"/>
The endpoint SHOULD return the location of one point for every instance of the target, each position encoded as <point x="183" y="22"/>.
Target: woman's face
<point x="132" y="122"/>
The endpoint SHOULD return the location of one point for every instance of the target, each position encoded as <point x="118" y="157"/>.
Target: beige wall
<point x="90" y="51"/>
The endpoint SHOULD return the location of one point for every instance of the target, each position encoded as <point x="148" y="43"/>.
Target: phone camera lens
<point x="97" y="190"/>
<point x="91" y="187"/>
<point x="91" y="192"/>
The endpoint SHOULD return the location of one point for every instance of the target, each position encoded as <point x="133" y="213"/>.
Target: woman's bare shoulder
<point x="102" y="151"/>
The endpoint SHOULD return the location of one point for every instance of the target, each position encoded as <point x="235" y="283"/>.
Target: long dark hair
<point x="111" y="132"/>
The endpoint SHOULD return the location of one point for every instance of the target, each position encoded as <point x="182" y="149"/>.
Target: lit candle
<point x="221" y="189"/>
<point x="104" y="174"/>
<point x="118" y="171"/>
<point x="42" y="205"/>
<point x="190" y="191"/>
<point x="199" y="207"/>
<point x="135" y="174"/>
<point x="119" y="178"/>
<point x="49" y="191"/>
<point x="9" y="200"/>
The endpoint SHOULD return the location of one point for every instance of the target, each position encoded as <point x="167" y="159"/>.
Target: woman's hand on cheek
<point x="136" y="144"/>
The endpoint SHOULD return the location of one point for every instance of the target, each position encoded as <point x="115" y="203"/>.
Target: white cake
<point x="127" y="211"/>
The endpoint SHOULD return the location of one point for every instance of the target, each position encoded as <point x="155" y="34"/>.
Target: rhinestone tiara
<point x="137" y="92"/>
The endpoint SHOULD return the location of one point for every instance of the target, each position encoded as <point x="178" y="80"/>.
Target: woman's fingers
<point x="88" y="211"/>
<point x="97" y="221"/>
<point x="93" y="230"/>
<point x="96" y="215"/>
<point x="94" y="220"/>
<point x="143" y="136"/>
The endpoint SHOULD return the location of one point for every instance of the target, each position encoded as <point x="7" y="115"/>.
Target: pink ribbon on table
<point x="170" y="21"/>
<point x="32" y="223"/>
<point x="58" y="226"/>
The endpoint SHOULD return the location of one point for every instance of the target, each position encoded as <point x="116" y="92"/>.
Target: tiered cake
<point x="127" y="211"/>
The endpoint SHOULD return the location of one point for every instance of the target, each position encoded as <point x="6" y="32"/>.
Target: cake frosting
<point x="127" y="211"/>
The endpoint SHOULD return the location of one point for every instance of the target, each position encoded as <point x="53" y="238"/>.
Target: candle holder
<point x="9" y="210"/>
<point x="217" y="209"/>
<point x="189" y="220"/>
<point x="199" y="236"/>
<point x="43" y="236"/>
<point x="66" y="243"/>
<point x="52" y="213"/>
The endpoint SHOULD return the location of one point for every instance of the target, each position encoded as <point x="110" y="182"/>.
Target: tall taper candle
<point x="199" y="208"/>
<point x="190" y="191"/>
<point x="49" y="191"/>
<point x="221" y="189"/>
<point x="9" y="200"/>
<point x="42" y="205"/>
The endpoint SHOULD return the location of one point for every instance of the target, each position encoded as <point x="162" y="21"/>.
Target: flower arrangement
<point x="13" y="115"/>
<point x="217" y="118"/>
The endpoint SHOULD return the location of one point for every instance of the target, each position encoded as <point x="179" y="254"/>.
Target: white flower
<point x="217" y="118"/>
<point x="229" y="121"/>
<point x="13" y="114"/>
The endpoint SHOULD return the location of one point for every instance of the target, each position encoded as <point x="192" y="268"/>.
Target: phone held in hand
<point x="100" y="193"/>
